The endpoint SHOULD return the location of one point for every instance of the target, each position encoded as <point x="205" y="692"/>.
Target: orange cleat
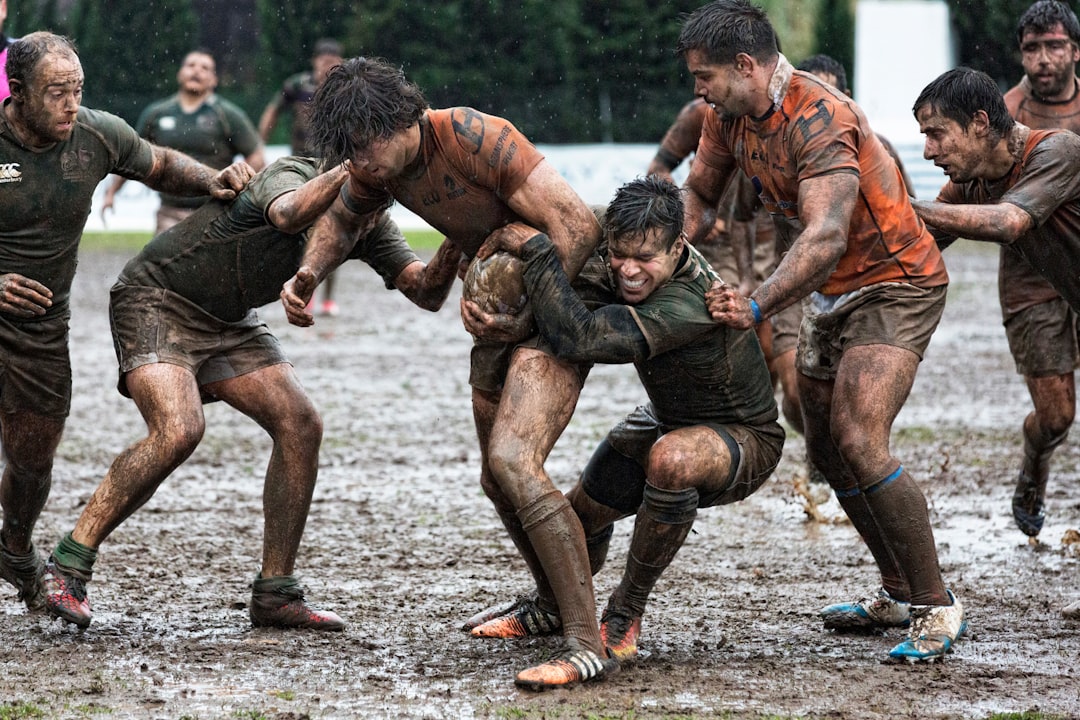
<point x="571" y="666"/>
<point x="619" y="631"/>
<point x="524" y="619"/>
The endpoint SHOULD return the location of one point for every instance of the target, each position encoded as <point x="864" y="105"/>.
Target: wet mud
<point x="403" y="544"/>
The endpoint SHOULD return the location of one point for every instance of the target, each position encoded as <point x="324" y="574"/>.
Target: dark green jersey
<point x="694" y="370"/>
<point x="45" y="196"/>
<point x="227" y="258"/>
<point x="213" y="134"/>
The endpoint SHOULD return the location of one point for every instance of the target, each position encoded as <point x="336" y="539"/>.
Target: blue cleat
<point x="934" y="629"/>
<point x="881" y="610"/>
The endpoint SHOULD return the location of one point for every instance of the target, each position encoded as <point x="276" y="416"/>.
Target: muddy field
<point x="403" y="544"/>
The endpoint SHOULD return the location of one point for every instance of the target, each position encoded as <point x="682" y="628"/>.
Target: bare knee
<point x="673" y="464"/>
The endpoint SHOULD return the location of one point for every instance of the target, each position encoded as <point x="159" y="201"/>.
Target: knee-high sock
<point x="661" y="527"/>
<point x="597" y="546"/>
<point x="545" y="595"/>
<point x="1037" y="453"/>
<point x="899" y="508"/>
<point x="555" y="535"/>
<point x="858" y="511"/>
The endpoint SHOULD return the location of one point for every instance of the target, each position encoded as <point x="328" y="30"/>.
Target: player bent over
<point x="186" y="332"/>
<point x="709" y="434"/>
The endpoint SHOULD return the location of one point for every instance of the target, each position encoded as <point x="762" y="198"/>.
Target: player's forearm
<point x="432" y="284"/>
<point x="997" y="223"/>
<point x="608" y="335"/>
<point x="805" y="268"/>
<point x="178" y="174"/>
<point x="295" y="211"/>
<point x="699" y="216"/>
<point x="331" y="239"/>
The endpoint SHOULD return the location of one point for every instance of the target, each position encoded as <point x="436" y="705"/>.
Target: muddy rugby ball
<point x="496" y="284"/>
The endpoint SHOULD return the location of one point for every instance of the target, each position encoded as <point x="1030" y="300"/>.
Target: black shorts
<point x="35" y="366"/>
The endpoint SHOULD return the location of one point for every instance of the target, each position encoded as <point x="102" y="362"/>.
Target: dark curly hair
<point x="644" y="204"/>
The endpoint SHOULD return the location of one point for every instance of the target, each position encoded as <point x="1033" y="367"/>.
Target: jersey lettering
<point x="809" y="126"/>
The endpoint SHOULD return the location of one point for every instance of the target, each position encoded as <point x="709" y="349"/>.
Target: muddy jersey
<point x="213" y="134"/>
<point x="296" y="92"/>
<point x="813" y="130"/>
<point x="1043" y="182"/>
<point x="693" y="369"/>
<point x="45" y="196"/>
<point x="469" y="164"/>
<point x="227" y="258"/>
<point x="1019" y="285"/>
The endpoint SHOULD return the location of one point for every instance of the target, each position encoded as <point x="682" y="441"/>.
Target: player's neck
<point x="190" y="101"/>
<point x="1067" y="95"/>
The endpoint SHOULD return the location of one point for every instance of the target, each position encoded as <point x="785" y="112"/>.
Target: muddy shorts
<point x="756" y="449"/>
<point x="1043" y="339"/>
<point x="785" y="329"/>
<point x="154" y="325"/>
<point x="35" y="366"/>
<point x="896" y="314"/>
<point x="489" y="361"/>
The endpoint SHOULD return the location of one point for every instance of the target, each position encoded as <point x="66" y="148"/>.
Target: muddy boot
<point x="65" y="594"/>
<point x="25" y="573"/>
<point x="1027" y="504"/>
<point x="279" y="602"/>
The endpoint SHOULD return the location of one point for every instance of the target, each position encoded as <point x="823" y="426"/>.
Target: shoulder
<point x="102" y="121"/>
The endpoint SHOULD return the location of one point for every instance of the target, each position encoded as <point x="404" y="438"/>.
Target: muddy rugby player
<point x="466" y="174"/>
<point x="876" y="285"/>
<point x="53" y="154"/>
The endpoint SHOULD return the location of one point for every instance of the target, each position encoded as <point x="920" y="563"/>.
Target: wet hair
<point x="1043" y="15"/>
<point x="326" y="46"/>
<point x="361" y="101"/>
<point x="25" y="53"/>
<point x="959" y="93"/>
<point x="644" y="204"/>
<point x="724" y="28"/>
<point x="828" y="65"/>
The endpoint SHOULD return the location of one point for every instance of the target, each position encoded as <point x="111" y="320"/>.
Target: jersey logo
<point x="469" y="127"/>
<point x="452" y="190"/>
<point x="814" y="124"/>
<point x="167" y="122"/>
<point x="75" y="163"/>
<point x="10" y="172"/>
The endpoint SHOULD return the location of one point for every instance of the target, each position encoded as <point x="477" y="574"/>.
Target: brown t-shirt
<point x="1045" y="183"/>
<point x="815" y="130"/>
<point x="469" y="164"/>
<point x="1019" y="285"/>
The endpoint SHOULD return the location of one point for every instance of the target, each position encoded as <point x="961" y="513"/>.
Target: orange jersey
<point x="469" y="164"/>
<point x="1019" y="285"/>
<point x="816" y="131"/>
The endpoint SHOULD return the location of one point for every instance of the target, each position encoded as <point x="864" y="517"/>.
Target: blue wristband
<point x="756" y="310"/>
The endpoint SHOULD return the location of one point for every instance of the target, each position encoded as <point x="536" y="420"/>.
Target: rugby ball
<point x="496" y="284"/>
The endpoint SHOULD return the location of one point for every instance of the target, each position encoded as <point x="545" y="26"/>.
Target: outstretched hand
<point x="229" y="181"/>
<point x="728" y="306"/>
<point x="509" y="238"/>
<point x="296" y="293"/>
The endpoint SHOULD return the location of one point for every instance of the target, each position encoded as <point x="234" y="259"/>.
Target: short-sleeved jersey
<point x="45" y="195"/>
<point x="296" y="92"/>
<point x="227" y="258"/>
<point x="1019" y="285"/>
<point x="811" y="131"/>
<point x="469" y="164"/>
<point x="215" y="133"/>
<point x="695" y="371"/>
<point x="1045" y="183"/>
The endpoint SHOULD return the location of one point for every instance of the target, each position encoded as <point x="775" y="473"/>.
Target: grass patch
<point x="20" y="711"/>
<point x="132" y="242"/>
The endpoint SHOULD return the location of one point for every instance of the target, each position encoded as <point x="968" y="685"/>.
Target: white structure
<point x="900" y="46"/>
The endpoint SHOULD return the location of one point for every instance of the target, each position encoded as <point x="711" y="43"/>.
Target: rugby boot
<point x="571" y="666"/>
<point x="1027" y="504"/>
<point x="65" y="594"/>
<point x="495" y="611"/>
<point x="524" y="619"/>
<point x="25" y="573"/>
<point x="934" y="630"/>
<point x="619" y="630"/>
<point x="279" y="602"/>
<point x="879" y="611"/>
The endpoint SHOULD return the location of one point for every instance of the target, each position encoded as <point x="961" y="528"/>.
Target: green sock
<point x="73" y="555"/>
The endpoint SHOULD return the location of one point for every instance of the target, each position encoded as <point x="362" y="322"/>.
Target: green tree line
<point x="562" y="70"/>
